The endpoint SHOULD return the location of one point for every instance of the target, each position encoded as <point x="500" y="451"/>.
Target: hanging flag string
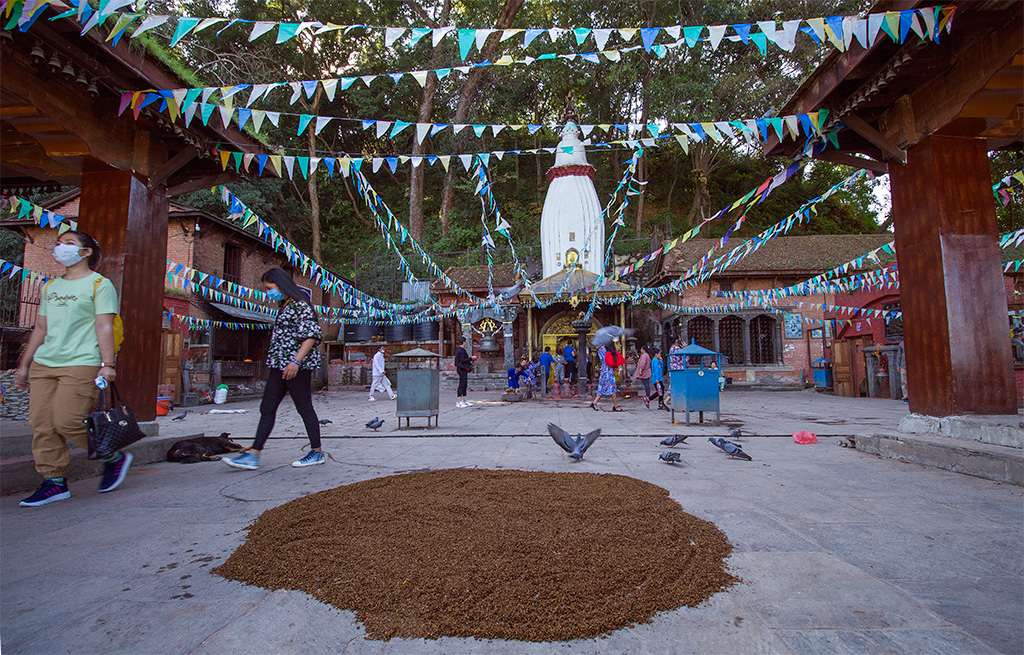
<point x="839" y="31"/>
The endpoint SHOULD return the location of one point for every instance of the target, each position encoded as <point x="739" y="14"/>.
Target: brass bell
<point x="488" y="344"/>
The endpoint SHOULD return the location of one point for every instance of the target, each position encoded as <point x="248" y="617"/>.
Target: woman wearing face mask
<point x="292" y="359"/>
<point x="72" y="344"/>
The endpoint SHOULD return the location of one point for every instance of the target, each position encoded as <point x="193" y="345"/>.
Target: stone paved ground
<point x="839" y="551"/>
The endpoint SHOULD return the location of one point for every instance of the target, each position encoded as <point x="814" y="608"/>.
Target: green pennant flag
<point x="286" y="31"/>
<point x="185" y="26"/>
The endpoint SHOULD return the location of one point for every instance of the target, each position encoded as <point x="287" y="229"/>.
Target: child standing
<point x="657" y="370"/>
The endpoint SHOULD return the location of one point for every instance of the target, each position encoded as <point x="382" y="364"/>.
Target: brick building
<point x="197" y="359"/>
<point x="759" y="346"/>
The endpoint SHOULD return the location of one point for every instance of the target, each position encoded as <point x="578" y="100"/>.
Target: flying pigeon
<point x="606" y="335"/>
<point x="735" y="433"/>
<point x="181" y="417"/>
<point x="325" y="421"/>
<point x="375" y="423"/>
<point x="575" y="446"/>
<point x="670" y="457"/>
<point x="730" y="449"/>
<point x="674" y="440"/>
<point x="507" y="293"/>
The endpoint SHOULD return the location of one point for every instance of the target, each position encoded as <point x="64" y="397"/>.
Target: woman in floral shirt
<point x="292" y="359"/>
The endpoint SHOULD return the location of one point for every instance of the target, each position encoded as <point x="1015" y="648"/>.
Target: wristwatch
<point x="106" y="365"/>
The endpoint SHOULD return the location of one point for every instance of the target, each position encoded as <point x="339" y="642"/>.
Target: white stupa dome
<point x="571" y="229"/>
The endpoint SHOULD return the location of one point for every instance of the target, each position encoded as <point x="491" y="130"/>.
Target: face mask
<point x="66" y="254"/>
<point x="276" y="294"/>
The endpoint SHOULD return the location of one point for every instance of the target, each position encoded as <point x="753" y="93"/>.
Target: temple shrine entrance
<point x="558" y="332"/>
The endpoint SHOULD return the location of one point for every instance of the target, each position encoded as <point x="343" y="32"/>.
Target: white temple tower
<point x="571" y="229"/>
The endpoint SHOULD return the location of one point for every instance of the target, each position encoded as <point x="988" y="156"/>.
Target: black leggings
<point x="463" y="382"/>
<point x="302" y="395"/>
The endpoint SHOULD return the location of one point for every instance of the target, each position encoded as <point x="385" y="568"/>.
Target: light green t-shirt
<point x="70" y="310"/>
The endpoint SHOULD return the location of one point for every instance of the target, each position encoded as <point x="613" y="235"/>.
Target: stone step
<point x="18" y="474"/>
<point x="981" y="460"/>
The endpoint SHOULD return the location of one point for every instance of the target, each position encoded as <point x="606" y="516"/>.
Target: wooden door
<point x="171" y="356"/>
<point x="842" y="368"/>
<point x="860" y="364"/>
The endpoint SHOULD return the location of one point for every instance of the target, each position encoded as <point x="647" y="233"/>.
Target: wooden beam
<point x="172" y="166"/>
<point x="858" y="125"/>
<point x="858" y="162"/>
<point x="976" y="61"/>
<point x="202" y="183"/>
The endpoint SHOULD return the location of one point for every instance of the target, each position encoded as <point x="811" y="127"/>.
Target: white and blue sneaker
<point x="246" y="461"/>
<point x="312" y="458"/>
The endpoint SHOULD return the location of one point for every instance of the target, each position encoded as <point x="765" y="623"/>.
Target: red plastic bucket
<point x="163" y="405"/>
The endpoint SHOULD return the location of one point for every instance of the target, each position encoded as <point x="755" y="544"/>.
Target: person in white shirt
<point x="380" y="380"/>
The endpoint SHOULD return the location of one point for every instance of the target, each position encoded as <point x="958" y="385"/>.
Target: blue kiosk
<point x="694" y="385"/>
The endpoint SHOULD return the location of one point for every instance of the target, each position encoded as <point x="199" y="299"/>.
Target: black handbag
<point x="111" y="426"/>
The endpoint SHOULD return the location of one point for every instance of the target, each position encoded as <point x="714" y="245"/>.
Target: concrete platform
<point x="839" y="552"/>
<point x="982" y="460"/>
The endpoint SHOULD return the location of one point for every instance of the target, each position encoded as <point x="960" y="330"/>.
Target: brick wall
<point x="797" y="354"/>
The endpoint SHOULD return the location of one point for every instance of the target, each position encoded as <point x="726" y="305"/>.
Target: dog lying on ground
<point x="202" y="449"/>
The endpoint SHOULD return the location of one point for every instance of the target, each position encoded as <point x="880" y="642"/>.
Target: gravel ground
<point x="489" y="554"/>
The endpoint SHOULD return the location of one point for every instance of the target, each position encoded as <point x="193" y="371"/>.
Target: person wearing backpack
<point x="72" y="344"/>
<point x="610" y="359"/>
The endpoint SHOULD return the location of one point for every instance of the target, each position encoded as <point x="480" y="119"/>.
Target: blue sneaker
<point x="246" y="461"/>
<point x="50" y="491"/>
<point x="114" y="472"/>
<point x="312" y="458"/>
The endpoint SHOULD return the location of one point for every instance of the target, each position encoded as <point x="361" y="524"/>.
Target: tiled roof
<point x="814" y="253"/>
<point x="474" y="278"/>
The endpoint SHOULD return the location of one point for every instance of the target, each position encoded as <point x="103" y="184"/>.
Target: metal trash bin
<point x="822" y="373"/>
<point x="695" y="387"/>
<point x="418" y="385"/>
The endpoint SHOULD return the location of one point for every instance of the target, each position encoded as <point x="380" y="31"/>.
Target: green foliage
<point x="735" y="81"/>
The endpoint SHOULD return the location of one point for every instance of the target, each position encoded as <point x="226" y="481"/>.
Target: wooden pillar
<point x="130" y="223"/>
<point x="953" y="300"/>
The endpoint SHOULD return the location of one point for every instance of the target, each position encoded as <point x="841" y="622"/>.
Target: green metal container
<point x="419" y="385"/>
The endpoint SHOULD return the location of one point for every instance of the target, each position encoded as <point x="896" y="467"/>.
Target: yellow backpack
<point x="118" y="323"/>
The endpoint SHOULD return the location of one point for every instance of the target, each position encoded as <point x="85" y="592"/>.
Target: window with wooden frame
<point x="232" y="263"/>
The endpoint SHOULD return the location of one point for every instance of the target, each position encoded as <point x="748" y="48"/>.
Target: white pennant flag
<point x="257" y="119"/>
<point x="382" y="128"/>
<point x="330" y="88"/>
<point x="225" y="115"/>
<point x="601" y="37"/>
<point x="274" y="117"/>
<point x="260" y="28"/>
<point x="789" y="30"/>
<point x="377" y="162"/>
<point x="392" y="34"/>
<point x="481" y="38"/>
<point x="715" y="34"/>
<point x="421" y="131"/>
<point x="467" y="161"/>
<point x="440" y="33"/>
<point x="769" y="28"/>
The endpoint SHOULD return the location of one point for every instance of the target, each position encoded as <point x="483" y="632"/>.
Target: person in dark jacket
<point x="463" y="365"/>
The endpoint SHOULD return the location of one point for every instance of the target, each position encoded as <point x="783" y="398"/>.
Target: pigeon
<point x="670" y="457"/>
<point x="730" y="449"/>
<point x="575" y="446"/>
<point x="674" y="440"/>
<point x="735" y="433"/>
<point x="604" y="336"/>
<point x="507" y="293"/>
<point x="325" y="421"/>
<point x="181" y="417"/>
<point x="375" y="423"/>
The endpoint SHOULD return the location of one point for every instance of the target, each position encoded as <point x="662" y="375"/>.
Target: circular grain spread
<point x="488" y="554"/>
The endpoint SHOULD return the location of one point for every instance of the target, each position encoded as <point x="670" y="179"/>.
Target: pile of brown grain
<point x="488" y="554"/>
